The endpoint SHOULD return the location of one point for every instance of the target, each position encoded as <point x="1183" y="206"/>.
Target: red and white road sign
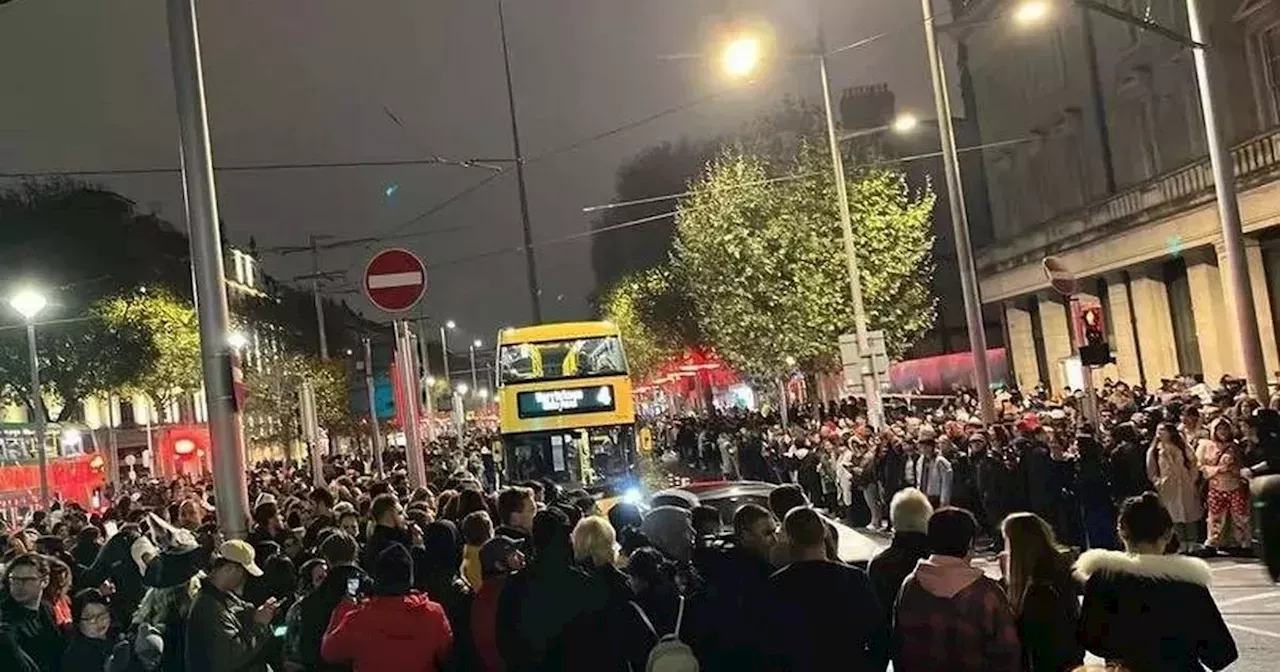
<point x="395" y="280"/>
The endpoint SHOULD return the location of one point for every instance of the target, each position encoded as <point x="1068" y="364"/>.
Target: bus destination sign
<point x="565" y="401"/>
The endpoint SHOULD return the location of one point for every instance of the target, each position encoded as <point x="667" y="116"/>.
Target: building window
<point x="1186" y="343"/>
<point x="1269" y="57"/>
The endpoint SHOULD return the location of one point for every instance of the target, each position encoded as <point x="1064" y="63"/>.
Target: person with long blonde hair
<point x="1042" y="594"/>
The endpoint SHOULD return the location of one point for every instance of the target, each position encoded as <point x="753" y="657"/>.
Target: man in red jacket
<point x="394" y="629"/>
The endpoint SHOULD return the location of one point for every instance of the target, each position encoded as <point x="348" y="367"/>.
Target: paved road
<point x="1249" y="602"/>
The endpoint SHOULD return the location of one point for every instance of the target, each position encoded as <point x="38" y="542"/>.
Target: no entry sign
<point x="395" y="280"/>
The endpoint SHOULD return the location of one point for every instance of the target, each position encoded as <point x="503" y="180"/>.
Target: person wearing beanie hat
<point x="394" y="629"/>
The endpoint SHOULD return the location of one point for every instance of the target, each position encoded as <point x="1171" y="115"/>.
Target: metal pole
<point x="373" y="409"/>
<point x="1237" y="271"/>
<point x="870" y="382"/>
<point x="409" y="386"/>
<point x="444" y="354"/>
<point x="37" y="412"/>
<point x="225" y="430"/>
<point x="311" y="429"/>
<point x="782" y="394"/>
<point x="475" y="384"/>
<point x="531" y="266"/>
<point x="315" y="293"/>
<point x="959" y="222"/>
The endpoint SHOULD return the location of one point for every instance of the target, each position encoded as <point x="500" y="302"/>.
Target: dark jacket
<point x="29" y="638"/>
<point x="86" y="655"/>
<point x="1129" y="471"/>
<point x="1152" y="612"/>
<point x="1047" y="624"/>
<point x="382" y="537"/>
<point x="1037" y="477"/>
<point x="316" y="609"/>
<point x="734" y="598"/>
<point x="222" y="636"/>
<point x="951" y="617"/>
<point x="890" y="567"/>
<point x="549" y="616"/>
<point x="823" y="615"/>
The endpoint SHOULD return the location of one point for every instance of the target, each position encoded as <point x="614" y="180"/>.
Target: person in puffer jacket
<point x="394" y="629"/>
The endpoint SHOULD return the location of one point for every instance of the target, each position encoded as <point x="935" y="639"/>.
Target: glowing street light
<point x="483" y="394"/>
<point x="237" y="340"/>
<point x="1031" y="12"/>
<point x="904" y="123"/>
<point x="451" y="325"/>
<point x="29" y="303"/>
<point x="741" y="55"/>
<point x="462" y="389"/>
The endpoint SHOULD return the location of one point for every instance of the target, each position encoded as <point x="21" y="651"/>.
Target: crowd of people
<point x="364" y="572"/>
<point x="1196" y="448"/>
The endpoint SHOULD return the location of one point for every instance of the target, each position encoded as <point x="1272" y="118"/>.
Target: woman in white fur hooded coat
<point x="1147" y="611"/>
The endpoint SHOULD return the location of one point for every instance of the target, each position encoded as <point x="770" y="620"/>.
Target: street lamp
<point x="474" y="344"/>
<point x="904" y="123"/>
<point x="444" y="345"/>
<point x="28" y="303"/>
<point x="741" y="55"/>
<point x="238" y="341"/>
<point x="1031" y="12"/>
<point x="462" y="388"/>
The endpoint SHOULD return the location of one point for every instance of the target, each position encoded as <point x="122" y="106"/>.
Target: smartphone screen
<point x="353" y="586"/>
<point x="279" y="630"/>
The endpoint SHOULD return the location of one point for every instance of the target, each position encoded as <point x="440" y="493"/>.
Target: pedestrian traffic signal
<point x="1094" y="349"/>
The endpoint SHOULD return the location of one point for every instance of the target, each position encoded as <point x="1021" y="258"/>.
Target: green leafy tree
<point x="76" y="358"/>
<point x="173" y="336"/>
<point x="764" y="260"/>
<point x="655" y="312"/>
<point x="272" y="405"/>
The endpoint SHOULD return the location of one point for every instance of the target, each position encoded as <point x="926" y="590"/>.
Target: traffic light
<point x="1094" y="349"/>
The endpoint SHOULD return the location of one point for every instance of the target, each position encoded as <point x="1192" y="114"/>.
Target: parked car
<point x="853" y="546"/>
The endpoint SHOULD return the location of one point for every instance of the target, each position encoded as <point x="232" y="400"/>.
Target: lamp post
<point x="960" y="220"/>
<point x="444" y="348"/>
<point x="1237" y="284"/>
<point x="28" y="303"/>
<point x="475" y="384"/>
<point x="531" y="267"/>
<point x="739" y="58"/>
<point x="226" y="433"/>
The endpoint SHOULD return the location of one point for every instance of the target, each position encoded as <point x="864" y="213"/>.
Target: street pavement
<point x="1248" y="600"/>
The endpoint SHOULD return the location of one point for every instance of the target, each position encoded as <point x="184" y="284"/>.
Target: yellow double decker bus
<point x="566" y="408"/>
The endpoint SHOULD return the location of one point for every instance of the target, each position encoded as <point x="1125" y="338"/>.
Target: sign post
<point x="395" y="281"/>
<point x="1063" y="280"/>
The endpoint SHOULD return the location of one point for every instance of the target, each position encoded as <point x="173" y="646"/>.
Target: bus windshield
<point x="550" y="360"/>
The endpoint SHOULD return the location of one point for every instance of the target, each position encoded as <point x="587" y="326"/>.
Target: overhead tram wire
<point x="486" y="164"/>
<point x="787" y="178"/>
<point x="664" y="215"/>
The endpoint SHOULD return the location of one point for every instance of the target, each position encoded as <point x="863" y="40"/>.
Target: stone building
<point x="1111" y="175"/>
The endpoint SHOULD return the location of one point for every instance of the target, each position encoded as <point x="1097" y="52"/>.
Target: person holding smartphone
<point x="344" y="580"/>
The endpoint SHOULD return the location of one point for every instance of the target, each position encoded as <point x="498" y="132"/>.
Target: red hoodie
<point x="396" y="632"/>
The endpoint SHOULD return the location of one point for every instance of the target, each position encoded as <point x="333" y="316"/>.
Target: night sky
<point x="87" y="86"/>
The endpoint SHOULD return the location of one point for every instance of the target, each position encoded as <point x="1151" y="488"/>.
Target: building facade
<point x="1106" y="168"/>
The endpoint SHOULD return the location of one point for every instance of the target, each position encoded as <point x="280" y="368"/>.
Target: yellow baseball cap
<point x="241" y="553"/>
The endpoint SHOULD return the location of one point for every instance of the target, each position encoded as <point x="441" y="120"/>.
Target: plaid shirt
<point x="974" y="631"/>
